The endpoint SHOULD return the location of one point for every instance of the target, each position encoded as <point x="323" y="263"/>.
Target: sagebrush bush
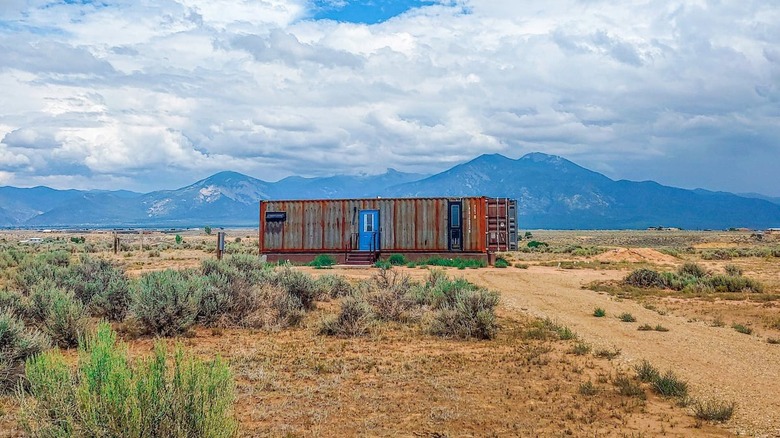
<point x="33" y="270"/>
<point x="354" y="319"/>
<point x="298" y="284"/>
<point x="10" y="258"/>
<point x="692" y="270"/>
<point x="334" y="286"/>
<point x="465" y="313"/>
<point x="101" y="286"/>
<point x="59" y="314"/>
<point x="17" y="343"/>
<point x="230" y="292"/>
<point x="166" y="302"/>
<point x="110" y="395"/>
<point x="733" y="270"/>
<point x="14" y="302"/>
<point x="645" y="278"/>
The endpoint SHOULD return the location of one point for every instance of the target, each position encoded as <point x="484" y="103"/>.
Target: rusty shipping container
<point x="471" y="225"/>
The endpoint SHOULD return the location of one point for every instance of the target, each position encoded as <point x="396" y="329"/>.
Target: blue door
<point x="369" y="230"/>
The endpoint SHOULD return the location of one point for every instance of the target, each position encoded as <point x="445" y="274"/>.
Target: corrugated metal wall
<point x="406" y="224"/>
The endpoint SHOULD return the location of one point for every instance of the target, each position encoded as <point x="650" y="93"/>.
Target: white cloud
<point x="115" y="94"/>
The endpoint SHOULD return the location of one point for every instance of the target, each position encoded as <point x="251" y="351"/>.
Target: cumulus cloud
<point x="122" y="93"/>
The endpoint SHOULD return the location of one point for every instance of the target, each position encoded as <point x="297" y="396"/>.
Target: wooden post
<point x="116" y="243"/>
<point x="220" y="244"/>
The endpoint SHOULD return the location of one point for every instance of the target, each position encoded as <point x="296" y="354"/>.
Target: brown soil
<point x="718" y="363"/>
<point x="637" y="255"/>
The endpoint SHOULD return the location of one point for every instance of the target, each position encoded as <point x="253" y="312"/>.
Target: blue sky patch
<point x="364" y="11"/>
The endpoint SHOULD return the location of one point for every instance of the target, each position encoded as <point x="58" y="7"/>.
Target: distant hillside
<point x="556" y="193"/>
<point x="552" y="193"/>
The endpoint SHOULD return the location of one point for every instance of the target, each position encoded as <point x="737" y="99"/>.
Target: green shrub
<point x="588" y="388"/>
<point x="501" y="263"/>
<point x="286" y="309"/>
<point x="692" y="270"/>
<point x="536" y="244"/>
<point x="298" y="284"/>
<point x="627" y="387"/>
<point x="660" y="328"/>
<point x="627" y="317"/>
<point x="729" y="283"/>
<point x="456" y="262"/>
<point x="14" y="303"/>
<point x="354" y="319"/>
<point x="59" y="314"/>
<point x="33" y="270"/>
<point x="645" y="278"/>
<point x="397" y="260"/>
<point x="645" y="327"/>
<point x="714" y="410"/>
<point x="599" y="312"/>
<point x="466" y="313"/>
<point x="742" y="329"/>
<point x="669" y="385"/>
<point x="11" y="258"/>
<point x="111" y="395"/>
<point x="733" y="270"/>
<point x="323" y="261"/>
<point x="178" y="239"/>
<point x="231" y="293"/>
<point x="646" y="372"/>
<point x="580" y="349"/>
<point x="334" y="286"/>
<point x="166" y="302"/>
<point x="606" y="353"/>
<point x="383" y="264"/>
<point x="17" y="343"/>
<point x="521" y="265"/>
<point x="101" y="286"/>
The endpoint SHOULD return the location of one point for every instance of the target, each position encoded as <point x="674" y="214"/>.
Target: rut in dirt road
<point x="717" y="362"/>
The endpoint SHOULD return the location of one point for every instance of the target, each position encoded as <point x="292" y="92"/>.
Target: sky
<point x="152" y="94"/>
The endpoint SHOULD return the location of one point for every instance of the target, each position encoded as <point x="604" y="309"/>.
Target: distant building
<point x="359" y="231"/>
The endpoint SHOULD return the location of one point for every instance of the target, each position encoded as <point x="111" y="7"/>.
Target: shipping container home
<point x="362" y="230"/>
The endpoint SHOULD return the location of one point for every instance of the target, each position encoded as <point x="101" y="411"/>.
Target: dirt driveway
<point x="717" y="362"/>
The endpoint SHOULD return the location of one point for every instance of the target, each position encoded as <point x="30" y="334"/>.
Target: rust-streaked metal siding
<point x="407" y="224"/>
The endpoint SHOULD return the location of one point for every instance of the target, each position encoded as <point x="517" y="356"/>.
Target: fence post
<point x="220" y="244"/>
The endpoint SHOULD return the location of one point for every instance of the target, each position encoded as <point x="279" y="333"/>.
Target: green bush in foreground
<point x="599" y="312"/>
<point x="108" y="395"/>
<point x="501" y="263"/>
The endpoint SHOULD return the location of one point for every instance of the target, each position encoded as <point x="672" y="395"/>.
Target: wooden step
<point x="360" y="258"/>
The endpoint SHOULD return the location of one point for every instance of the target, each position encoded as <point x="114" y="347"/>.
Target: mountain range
<point x="552" y="192"/>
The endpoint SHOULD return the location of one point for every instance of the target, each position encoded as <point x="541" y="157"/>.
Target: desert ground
<point x="400" y="380"/>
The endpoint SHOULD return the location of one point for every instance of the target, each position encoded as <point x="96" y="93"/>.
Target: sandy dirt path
<point x="717" y="362"/>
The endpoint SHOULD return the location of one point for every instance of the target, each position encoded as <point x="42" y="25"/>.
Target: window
<point x="455" y="216"/>
<point x="368" y="223"/>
